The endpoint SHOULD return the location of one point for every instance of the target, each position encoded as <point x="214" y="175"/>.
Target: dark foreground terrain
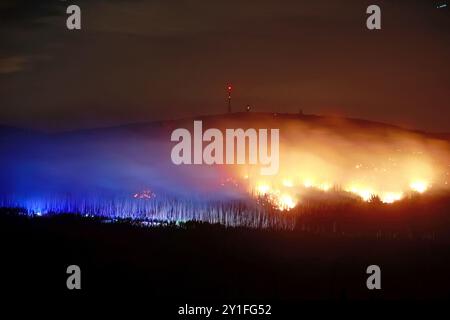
<point x="201" y="262"/>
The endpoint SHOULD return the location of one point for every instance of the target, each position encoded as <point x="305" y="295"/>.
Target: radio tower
<point x="229" y="88"/>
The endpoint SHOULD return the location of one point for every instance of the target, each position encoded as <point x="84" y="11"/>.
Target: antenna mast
<point x="229" y="88"/>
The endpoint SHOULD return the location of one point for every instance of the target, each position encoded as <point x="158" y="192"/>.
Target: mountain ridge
<point x="309" y="119"/>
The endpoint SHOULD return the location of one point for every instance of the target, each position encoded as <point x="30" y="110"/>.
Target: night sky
<point x="138" y="61"/>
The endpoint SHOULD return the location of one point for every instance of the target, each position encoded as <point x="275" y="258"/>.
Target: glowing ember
<point x="391" y="197"/>
<point x="263" y="189"/>
<point x="365" y="194"/>
<point x="419" y="186"/>
<point x="286" y="202"/>
<point x="282" y="201"/>
<point x="144" y="195"/>
<point x="308" y="183"/>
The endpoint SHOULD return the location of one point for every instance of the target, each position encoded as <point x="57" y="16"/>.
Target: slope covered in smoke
<point x="314" y="151"/>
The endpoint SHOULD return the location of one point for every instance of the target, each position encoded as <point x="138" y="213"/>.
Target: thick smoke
<point x="324" y="153"/>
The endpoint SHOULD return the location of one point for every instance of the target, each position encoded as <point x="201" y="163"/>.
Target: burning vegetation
<point x="325" y="162"/>
<point x="361" y="159"/>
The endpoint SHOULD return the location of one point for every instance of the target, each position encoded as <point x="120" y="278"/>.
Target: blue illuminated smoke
<point x="104" y="163"/>
<point x="110" y="161"/>
<point x="97" y="172"/>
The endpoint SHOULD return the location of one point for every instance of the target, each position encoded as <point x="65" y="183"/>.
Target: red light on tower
<point x="229" y="87"/>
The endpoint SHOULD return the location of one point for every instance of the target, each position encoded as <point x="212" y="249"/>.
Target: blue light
<point x="155" y="212"/>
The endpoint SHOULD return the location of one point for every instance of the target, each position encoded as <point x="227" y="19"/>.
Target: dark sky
<point x="136" y="61"/>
